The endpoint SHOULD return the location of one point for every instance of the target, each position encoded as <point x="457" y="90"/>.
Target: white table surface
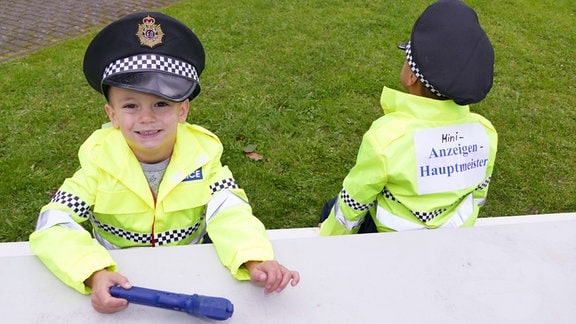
<point x="513" y="273"/>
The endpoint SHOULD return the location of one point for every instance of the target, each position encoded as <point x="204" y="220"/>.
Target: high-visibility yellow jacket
<point x="425" y="164"/>
<point x="197" y="194"/>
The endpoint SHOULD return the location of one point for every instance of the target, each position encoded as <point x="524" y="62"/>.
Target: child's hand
<point x="271" y="275"/>
<point x="101" y="281"/>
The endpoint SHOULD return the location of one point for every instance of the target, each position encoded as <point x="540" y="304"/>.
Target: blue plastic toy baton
<point x="216" y="308"/>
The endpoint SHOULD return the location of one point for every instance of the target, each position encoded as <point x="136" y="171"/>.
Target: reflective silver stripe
<point x="104" y="243"/>
<point x="53" y="217"/>
<point x="223" y="200"/>
<point x="394" y="222"/>
<point x="345" y="222"/>
<point x="480" y="201"/>
<point x="460" y="216"/>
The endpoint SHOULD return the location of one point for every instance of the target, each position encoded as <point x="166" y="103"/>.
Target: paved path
<point x="29" y="25"/>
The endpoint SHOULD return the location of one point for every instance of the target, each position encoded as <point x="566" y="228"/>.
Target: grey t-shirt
<point x="154" y="173"/>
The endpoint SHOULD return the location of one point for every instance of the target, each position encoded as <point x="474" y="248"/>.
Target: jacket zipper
<point x="153" y="219"/>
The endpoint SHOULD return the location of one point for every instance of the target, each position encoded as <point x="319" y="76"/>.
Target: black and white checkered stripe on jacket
<point x="77" y="205"/>
<point x="428" y="216"/>
<point x="350" y="202"/>
<point x="423" y="216"/>
<point x="228" y="183"/>
<point x="161" y="238"/>
<point x="82" y="209"/>
<point x="484" y="184"/>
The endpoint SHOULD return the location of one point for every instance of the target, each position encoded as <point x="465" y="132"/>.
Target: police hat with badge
<point x="148" y="52"/>
<point x="450" y="53"/>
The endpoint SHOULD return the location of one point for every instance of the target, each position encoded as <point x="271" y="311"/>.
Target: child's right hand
<point x="101" y="281"/>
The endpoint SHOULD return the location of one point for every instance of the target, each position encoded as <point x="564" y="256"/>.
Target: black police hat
<point x="148" y="52"/>
<point x="450" y="52"/>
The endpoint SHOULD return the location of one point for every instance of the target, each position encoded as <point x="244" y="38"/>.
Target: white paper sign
<point x="450" y="158"/>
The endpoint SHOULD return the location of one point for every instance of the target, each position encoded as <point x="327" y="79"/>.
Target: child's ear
<point x="184" y="108"/>
<point x="111" y="115"/>
<point x="412" y="78"/>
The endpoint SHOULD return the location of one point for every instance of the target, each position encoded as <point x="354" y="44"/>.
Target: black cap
<point x="148" y="52"/>
<point x="450" y="52"/>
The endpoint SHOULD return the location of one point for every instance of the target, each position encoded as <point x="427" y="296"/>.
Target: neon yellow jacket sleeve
<point x="236" y="233"/>
<point x="71" y="255"/>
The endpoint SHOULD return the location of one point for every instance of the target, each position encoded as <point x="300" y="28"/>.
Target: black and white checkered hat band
<point x="419" y="74"/>
<point x="151" y="62"/>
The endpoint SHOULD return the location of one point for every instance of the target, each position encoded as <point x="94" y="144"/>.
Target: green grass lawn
<point x="301" y="80"/>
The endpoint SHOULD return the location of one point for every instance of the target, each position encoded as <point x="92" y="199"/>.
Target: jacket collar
<point x="115" y="157"/>
<point x="394" y="101"/>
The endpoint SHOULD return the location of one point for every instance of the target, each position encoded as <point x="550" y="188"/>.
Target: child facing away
<point x="150" y="178"/>
<point x="428" y="161"/>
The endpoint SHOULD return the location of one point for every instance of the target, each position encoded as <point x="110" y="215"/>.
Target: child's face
<point x="148" y="122"/>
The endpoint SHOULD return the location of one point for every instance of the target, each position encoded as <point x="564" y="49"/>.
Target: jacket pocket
<point x="187" y="195"/>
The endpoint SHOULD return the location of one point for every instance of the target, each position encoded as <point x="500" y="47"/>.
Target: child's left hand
<point x="271" y="275"/>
